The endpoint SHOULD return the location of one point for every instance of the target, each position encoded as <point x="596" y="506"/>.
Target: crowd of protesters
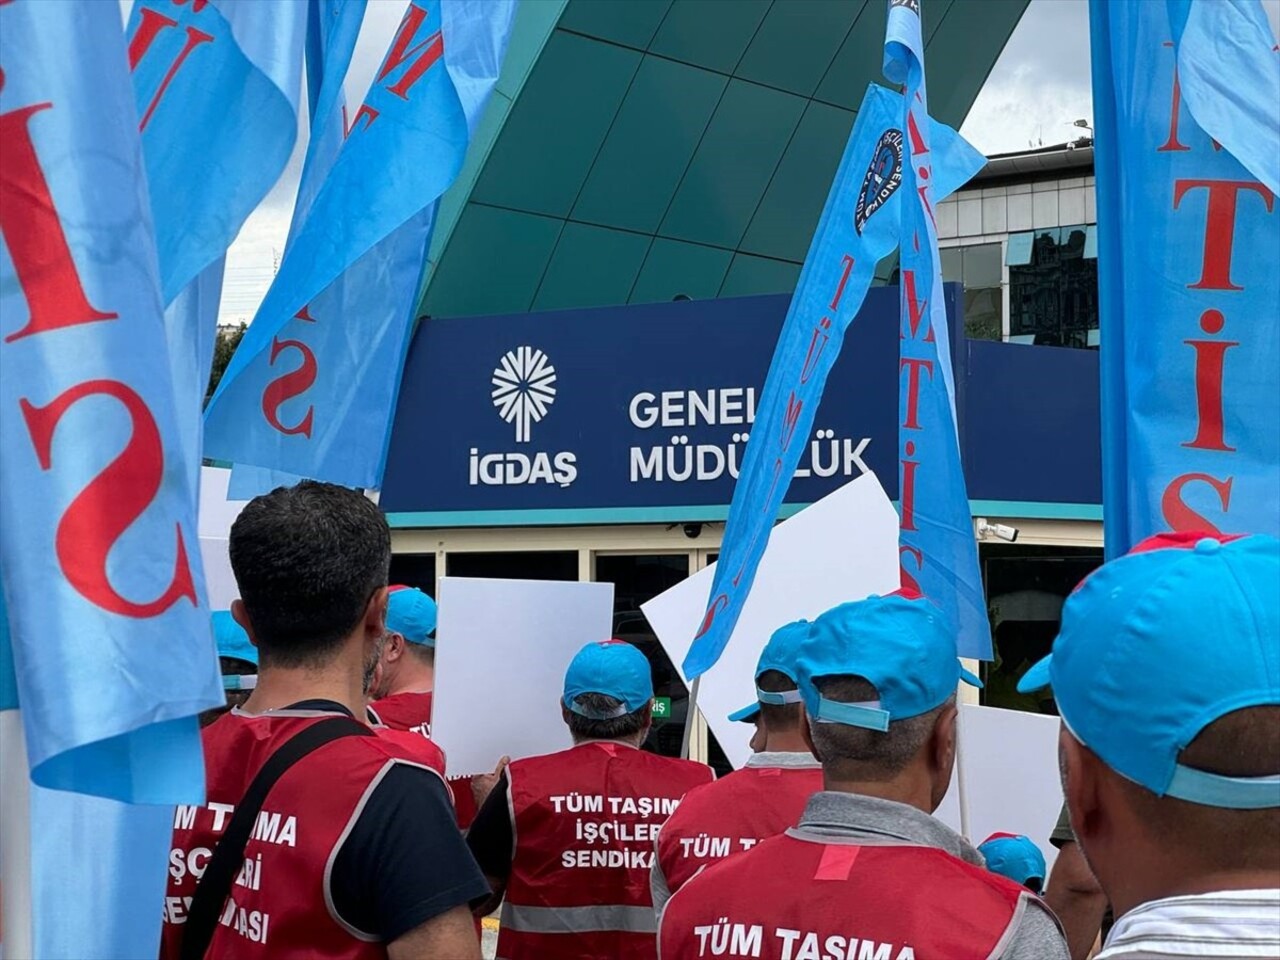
<point x="331" y="831"/>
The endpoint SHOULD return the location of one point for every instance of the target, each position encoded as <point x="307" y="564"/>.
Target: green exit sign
<point x="662" y="708"/>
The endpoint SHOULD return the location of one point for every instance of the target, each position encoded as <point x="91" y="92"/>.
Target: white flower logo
<point x="523" y="388"/>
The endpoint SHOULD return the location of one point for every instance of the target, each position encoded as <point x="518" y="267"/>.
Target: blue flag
<point x="111" y="642"/>
<point x="312" y="388"/>
<point x="212" y="79"/>
<point x="332" y="29"/>
<point x="858" y="227"/>
<point x="939" y="555"/>
<point x="1187" y="110"/>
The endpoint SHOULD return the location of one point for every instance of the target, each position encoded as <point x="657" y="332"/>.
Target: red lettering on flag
<point x="1175" y="110"/>
<point x="420" y="58"/>
<point x="908" y="581"/>
<point x="426" y="53"/>
<point x="713" y="609"/>
<point x="1210" y="360"/>
<point x="908" y="492"/>
<point x="913" y="366"/>
<point x="1220" y="226"/>
<point x="1179" y="516"/>
<point x="844" y="278"/>
<point x="111" y="502"/>
<point x="32" y="230"/>
<point x="915" y="308"/>
<point x="292" y="384"/>
<point x="152" y="24"/>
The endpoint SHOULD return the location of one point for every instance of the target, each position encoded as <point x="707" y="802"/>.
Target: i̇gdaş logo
<point x="524" y="388"/>
<point x="523" y="391"/>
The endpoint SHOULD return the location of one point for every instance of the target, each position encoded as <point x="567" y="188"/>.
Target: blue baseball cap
<point x="613" y="668"/>
<point x="1160" y="643"/>
<point x="234" y="643"/>
<point x="901" y="643"/>
<point x="778" y="654"/>
<point x="412" y="614"/>
<point x="1014" y="856"/>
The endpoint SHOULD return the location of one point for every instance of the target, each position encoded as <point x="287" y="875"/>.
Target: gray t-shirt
<point x="1034" y="933"/>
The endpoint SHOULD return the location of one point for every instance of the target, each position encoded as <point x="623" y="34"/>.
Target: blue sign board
<point x="628" y="414"/>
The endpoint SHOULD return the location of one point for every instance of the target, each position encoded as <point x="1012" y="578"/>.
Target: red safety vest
<point x="802" y="895"/>
<point x="585" y="821"/>
<point x="405" y="711"/>
<point x="279" y="902"/>
<point x="412" y="712"/>
<point x="731" y="815"/>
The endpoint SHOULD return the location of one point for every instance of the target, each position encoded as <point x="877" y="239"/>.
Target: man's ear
<point x="375" y="613"/>
<point x="807" y="733"/>
<point x="942" y="745"/>
<point x="1081" y="782"/>
<point x="241" y="616"/>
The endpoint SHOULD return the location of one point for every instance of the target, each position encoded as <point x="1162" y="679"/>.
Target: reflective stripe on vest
<point x="596" y="919"/>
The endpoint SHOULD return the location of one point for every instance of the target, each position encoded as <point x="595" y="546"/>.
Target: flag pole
<point x="689" y="718"/>
<point x="16" y="920"/>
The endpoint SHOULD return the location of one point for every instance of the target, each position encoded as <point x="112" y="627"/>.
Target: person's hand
<point x="482" y="784"/>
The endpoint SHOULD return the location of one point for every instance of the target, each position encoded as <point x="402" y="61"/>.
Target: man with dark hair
<point x="868" y="872"/>
<point x="568" y="837"/>
<point x="1166" y="672"/>
<point x="763" y="798"/>
<point x="354" y="853"/>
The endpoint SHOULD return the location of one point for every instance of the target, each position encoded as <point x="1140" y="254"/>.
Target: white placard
<point x="502" y="649"/>
<point x="219" y="581"/>
<point x="1009" y="765"/>
<point x="217" y="513"/>
<point x="844" y="547"/>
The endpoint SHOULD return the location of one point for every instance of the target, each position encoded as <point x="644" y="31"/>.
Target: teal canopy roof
<point x="639" y="150"/>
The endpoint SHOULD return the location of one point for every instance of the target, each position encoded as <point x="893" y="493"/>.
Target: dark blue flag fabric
<point x="858" y="227"/>
<point x="939" y="555"/>
<point x="1187" y="111"/>
<point x="311" y="390"/>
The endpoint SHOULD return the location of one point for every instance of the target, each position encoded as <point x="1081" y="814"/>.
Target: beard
<point x="372" y="659"/>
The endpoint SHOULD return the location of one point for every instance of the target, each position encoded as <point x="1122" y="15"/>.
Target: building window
<point x="978" y="268"/>
<point x="1053" y="286"/>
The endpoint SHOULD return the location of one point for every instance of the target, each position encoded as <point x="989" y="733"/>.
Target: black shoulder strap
<point x="228" y="856"/>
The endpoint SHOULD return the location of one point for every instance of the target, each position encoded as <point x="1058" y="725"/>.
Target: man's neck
<point x="900" y="790"/>
<point x="279" y="687"/>
<point x="413" y="677"/>
<point x="785" y="741"/>
<point x="1178" y="880"/>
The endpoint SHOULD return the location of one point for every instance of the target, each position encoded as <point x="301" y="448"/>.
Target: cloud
<point x="1041" y="84"/>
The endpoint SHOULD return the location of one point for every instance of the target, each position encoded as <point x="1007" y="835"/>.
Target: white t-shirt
<point x="1241" y="924"/>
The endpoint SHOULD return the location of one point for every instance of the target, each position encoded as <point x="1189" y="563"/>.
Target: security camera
<point x="693" y="530"/>
<point x="998" y="530"/>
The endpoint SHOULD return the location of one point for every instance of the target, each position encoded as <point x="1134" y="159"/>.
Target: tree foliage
<point x="223" y="347"/>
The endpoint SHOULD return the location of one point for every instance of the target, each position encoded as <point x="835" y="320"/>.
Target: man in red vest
<point x="760" y="800"/>
<point x="867" y="872"/>
<point x="406" y="672"/>
<point x="354" y="853"/>
<point x="568" y="837"/>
